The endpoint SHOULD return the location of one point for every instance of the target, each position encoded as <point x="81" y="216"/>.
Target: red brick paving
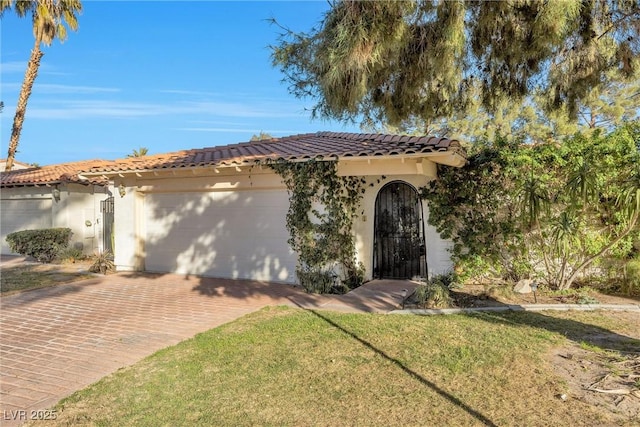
<point x="57" y="340"/>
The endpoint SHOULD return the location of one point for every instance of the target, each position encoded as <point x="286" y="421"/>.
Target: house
<point x="55" y="196"/>
<point x="16" y="165"/>
<point x="221" y="211"/>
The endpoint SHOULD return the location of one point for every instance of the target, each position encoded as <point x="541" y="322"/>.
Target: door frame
<point x="377" y="271"/>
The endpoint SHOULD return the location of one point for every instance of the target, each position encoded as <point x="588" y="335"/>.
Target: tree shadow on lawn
<point x="491" y="310"/>
<point x="573" y="330"/>
<point x="576" y="331"/>
<point x="411" y="373"/>
<point x="277" y="293"/>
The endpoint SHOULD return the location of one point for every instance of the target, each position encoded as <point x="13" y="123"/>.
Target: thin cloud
<point x="72" y="109"/>
<point x="71" y="89"/>
<point x="269" y="131"/>
<point x="58" y="89"/>
<point x="215" y="122"/>
<point x="13" y="67"/>
<point x="69" y="110"/>
<point x="231" y="109"/>
<point x="189" y="92"/>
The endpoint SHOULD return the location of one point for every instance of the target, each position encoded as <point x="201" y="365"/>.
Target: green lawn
<point x="284" y="366"/>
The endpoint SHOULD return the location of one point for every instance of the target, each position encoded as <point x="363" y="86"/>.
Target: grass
<point x="284" y="366"/>
<point x="35" y="276"/>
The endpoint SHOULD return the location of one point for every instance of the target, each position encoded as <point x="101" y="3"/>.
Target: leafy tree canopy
<point x="606" y="107"/>
<point x="389" y="61"/>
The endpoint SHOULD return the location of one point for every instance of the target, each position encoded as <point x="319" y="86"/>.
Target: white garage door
<point x="24" y="214"/>
<point x="240" y="234"/>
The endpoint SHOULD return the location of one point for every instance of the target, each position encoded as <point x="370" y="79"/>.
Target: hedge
<point x="42" y="245"/>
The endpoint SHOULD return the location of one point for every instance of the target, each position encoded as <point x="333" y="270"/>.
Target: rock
<point x="523" y="286"/>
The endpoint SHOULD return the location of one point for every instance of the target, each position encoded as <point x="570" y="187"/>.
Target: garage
<point x="24" y="214"/>
<point x="231" y="234"/>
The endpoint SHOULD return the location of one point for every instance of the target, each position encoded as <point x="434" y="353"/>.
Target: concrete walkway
<point x="57" y="340"/>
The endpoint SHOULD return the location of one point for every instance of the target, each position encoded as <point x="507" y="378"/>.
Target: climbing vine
<point x="322" y="208"/>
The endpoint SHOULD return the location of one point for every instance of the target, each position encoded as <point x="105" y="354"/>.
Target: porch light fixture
<point x="121" y="190"/>
<point x="56" y="194"/>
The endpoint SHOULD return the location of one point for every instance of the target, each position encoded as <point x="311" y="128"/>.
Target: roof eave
<point x="446" y="157"/>
<point x="85" y="182"/>
<point x="30" y="184"/>
<point x="449" y="158"/>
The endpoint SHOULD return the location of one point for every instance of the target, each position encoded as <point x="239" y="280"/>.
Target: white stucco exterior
<point x="31" y="207"/>
<point x="231" y="221"/>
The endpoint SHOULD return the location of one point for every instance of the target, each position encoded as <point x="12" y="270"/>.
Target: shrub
<point x="71" y="255"/>
<point x="317" y="281"/>
<point x="432" y="294"/>
<point x="550" y="210"/>
<point x="43" y="245"/>
<point x="631" y="283"/>
<point x="448" y="279"/>
<point x="354" y="276"/>
<point x="102" y="263"/>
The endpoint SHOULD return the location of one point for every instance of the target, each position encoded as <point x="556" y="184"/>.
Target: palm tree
<point x="142" y="151"/>
<point x="49" y="17"/>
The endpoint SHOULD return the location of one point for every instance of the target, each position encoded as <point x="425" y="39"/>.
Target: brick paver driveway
<point x="57" y="340"/>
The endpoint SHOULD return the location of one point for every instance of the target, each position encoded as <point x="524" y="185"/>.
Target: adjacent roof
<point x="52" y="174"/>
<point x="16" y="165"/>
<point x="321" y="145"/>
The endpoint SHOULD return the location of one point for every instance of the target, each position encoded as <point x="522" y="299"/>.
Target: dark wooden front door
<point x="399" y="247"/>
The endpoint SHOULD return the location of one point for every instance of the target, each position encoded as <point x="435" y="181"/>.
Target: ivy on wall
<point x="322" y="208"/>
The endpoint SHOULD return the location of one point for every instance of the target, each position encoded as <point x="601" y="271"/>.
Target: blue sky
<point x="157" y="74"/>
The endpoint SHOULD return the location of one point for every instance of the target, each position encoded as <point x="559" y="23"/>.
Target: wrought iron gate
<point x="399" y="246"/>
<point x="107" y="209"/>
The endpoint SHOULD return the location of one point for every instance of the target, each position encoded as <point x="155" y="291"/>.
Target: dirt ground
<point x="609" y="380"/>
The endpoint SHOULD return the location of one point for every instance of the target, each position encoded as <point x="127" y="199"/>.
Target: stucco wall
<point x="146" y="219"/>
<point x="137" y="232"/>
<point x="78" y="208"/>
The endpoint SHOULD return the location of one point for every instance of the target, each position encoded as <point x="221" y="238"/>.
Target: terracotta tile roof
<point x="321" y="145"/>
<point x="52" y="174"/>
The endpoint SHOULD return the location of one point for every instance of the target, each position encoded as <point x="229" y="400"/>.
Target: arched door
<point x="399" y="246"/>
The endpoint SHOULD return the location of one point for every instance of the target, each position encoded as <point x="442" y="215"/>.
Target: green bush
<point x="354" y="276"/>
<point x="448" y="280"/>
<point x="433" y="294"/>
<point x="318" y="281"/>
<point x="71" y="255"/>
<point x="631" y="283"/>
<point x="43" y="245"/>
